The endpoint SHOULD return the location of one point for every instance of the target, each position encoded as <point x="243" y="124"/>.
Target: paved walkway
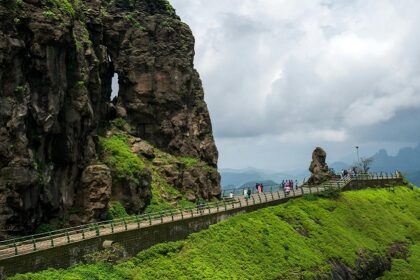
<point x="25" y="245"/>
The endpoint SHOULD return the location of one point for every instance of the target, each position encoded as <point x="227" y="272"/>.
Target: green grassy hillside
<point x="296" y="240"/>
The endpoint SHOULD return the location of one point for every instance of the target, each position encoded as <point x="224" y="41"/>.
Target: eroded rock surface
<point x="319" y="167"/>
<point x="57" y="59"/>
<point x="96" y="184"/>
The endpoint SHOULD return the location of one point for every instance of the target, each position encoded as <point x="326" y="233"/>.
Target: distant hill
<point x="238" y="177"/>
<point x="407" y="160"/>
<point x="252" y="184"/>
<point x="414" y="177"/>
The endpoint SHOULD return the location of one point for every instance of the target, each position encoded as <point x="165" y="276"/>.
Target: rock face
<point x="319" y="168"/>
<point x="96" y="185"/>
<point x="57" y="60"/>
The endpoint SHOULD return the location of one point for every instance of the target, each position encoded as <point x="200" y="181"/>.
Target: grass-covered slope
<point x="408" y="269"/>
<point x="295" y="240"/>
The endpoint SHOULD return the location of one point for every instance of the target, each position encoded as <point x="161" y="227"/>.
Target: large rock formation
<point x="319" y="167"/>
<point x="57" y="60"/>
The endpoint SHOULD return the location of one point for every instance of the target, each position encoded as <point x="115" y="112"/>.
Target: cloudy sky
<point x="282" y="77"/>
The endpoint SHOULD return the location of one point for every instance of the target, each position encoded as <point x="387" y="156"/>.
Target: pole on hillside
<point x="357" y="151"/>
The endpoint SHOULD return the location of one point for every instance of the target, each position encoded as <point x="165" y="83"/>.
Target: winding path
<point x="28" y="244"/>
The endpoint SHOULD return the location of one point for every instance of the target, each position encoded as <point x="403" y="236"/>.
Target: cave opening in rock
<point x="115" y="86"/>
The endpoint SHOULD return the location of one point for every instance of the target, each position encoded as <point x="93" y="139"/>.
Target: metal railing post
<point x="301" y="188"/>
<point x="125" y="224"/>
<point x="68" y="236"/>
<point x="83" y="234"/>
<point x="97" y="229"/>
<point x="150" y="219"/>
<point x="34" y="243"/>
<point x="138" y="221"/>
<point x="172" y="214"/>
<point x="16" y="249"/>
<point x="182" y="213"/>
<point x="224" y="202"/>
<point x="112" y="226"/>
<point x="52" y="240"/>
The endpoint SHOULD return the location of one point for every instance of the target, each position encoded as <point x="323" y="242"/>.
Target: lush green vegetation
<point x="135" y="23"/>
<point x="162" y="192"/>
<point x="191" y="162"/>
<point x="116" y="210"/>
<point x="405" y="269"/>
<point x="295" y="240"/>
<point x="116" y="153"/>
<point x="168" y="7"/>
<point x="63" y="5"/>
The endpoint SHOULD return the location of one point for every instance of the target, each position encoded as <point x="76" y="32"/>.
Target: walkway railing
<point x="42" y="241"/>
<point x="274" y="187"/>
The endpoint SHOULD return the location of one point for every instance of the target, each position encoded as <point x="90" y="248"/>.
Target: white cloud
<point x="305" y="71"/>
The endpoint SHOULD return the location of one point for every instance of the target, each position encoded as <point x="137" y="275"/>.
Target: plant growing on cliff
<point x="168" y="7"/>
<point x="63" y="5"/>
<point x="121" y="124"/>
<point x="115" y="152"/>
<point x="134" y="22"/>
<point x="50" y="14"/>
<point x="116" y="211"/>
<point x="189" y="161"/>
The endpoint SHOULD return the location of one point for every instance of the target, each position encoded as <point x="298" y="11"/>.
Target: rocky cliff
<point x="66" y="148"/>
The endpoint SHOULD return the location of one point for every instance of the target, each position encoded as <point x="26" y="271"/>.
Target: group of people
<point x="348" y="173"/>
<point x="288" y="185"/>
